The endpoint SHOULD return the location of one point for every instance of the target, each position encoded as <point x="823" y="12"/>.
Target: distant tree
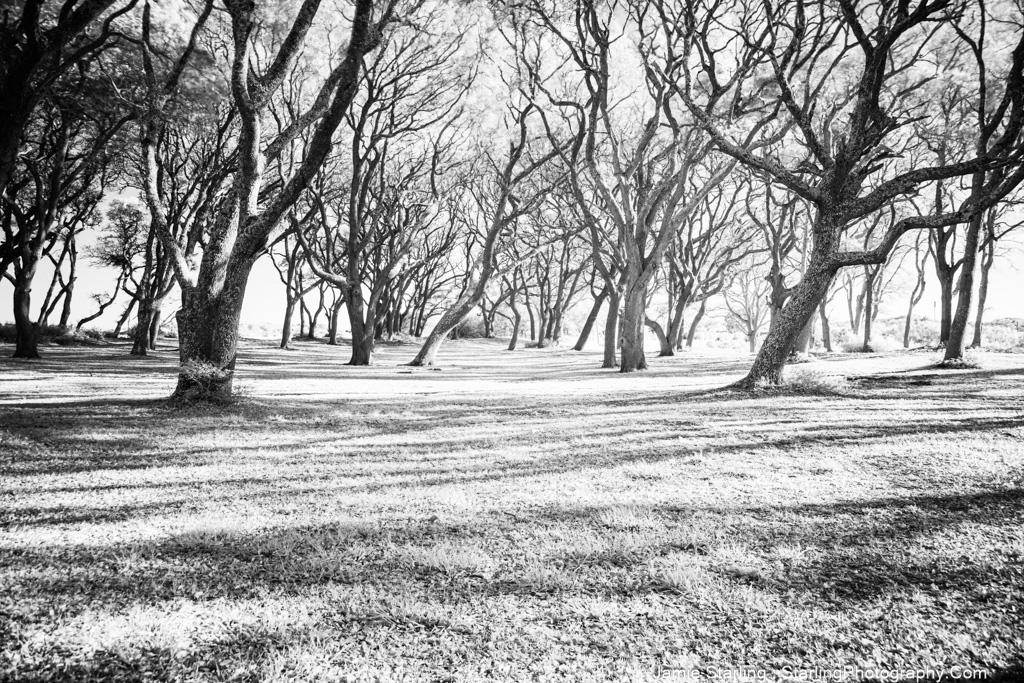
<point x="921" y="251"/>
<point x="747" y="301"/>
<point x="402" y="131"/>
<point x="634" y="152"/>
<point x="999" y="222"/>
<point x="119" y="246"/>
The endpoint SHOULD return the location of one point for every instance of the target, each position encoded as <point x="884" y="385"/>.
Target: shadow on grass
<point x="855" y="564"/>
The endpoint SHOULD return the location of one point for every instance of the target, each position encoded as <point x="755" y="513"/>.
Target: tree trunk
<point x="826" y="330"/>
<point x="869" y="305"/>
<point x="26" y="333"/>
<point x="663" y="342"/>
<point x="789" y="324"/>
<point x="124" y="318"/>
<point x="155" y="319"/>
<point x="805" y="340"/>
<point x="363" y="328"/>
<point x="488" y="333"/>
<point x="103" y="305"/>
<point x="448" y="322"/>
<point x="515" y="324"/>
<point x="69" y="290"/>
<point x="286" y="325"/>
<point x="915" y="298"/>
<point x="314" y="318"/>
<point x="362" y="342"/>
<point x="675" y="324"/>
<point x="987" y="257"/>
<point x="632" y="329"/>
<point x="611" y="332"/>
<point x="693" y="324"/>
<point x="588" y="326"/>
<point x="946" y="306"/>
<point x="208" y="336"/>
<point x="140" y="340"/>
<point x="335" y="320"/>
<point x="752" y="340"/>
<point x="958" y="327"/>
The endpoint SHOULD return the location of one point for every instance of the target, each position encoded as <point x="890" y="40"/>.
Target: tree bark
<point x="987" y="257"/>
<point x="448" y="322"/>
<point x="208" y="335"/>
<point x="789" y="324"/>
<point x="515" y="324"/>
<point x="140" y="339"/>
<point x="588" y="326"/>
<point x="124" y="318"/>
<point x="69" y="290"/>
<point x="826" y="330"/>
<point x="26" y="332"/>
<point x="869" y="305"/>
<point x="958" y="327"/>
<point x="693" y="324"/>
<point x="915" y="297"/>
<point x="286" y="324"/>
<point x="945" y="304"/>
<point x="155" y="319"/>
<point x="362" y="320"/>
<point x="805" y="340"/>
<point x="664" y="344"/>
<point x="632" y="329"/>
<point x="335" y="321"/>
<point x="611" y="332"/>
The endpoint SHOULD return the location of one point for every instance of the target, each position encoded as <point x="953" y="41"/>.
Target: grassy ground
<point x="512" y="517"/>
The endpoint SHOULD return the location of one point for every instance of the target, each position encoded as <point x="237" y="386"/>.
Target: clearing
<point x="511" y="516"/>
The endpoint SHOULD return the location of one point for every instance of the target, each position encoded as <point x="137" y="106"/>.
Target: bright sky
<point x="264" y="301"/>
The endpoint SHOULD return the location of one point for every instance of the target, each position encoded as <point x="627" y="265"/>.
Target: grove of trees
<point x="405" y="164"/>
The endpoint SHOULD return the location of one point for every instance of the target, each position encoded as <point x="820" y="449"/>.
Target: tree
<point x="501" y="196"/>
<point x="747" y="301"/>
<point x="119" y="246"/>
<point x="248" y="214"/>
<point x="703" y="258"/>
<point x="58" y="185"/>
<point x="998" y="225"/>
<point x="648" y="171"/>
<point x="403" y="127"/>
<point x="38" y="47"/>
<point x="838" y="92"/>
<point x="922" y="250"/>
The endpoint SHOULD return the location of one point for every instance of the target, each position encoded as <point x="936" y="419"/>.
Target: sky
<point x="264" y="300"/>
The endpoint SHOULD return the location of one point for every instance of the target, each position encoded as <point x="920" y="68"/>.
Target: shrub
<point x="810" y="383"/>
<point x="877" y="345"/>
<point x="54" y="334"/>
<point x="206" y="380"/>
<point x="470" y="328"/>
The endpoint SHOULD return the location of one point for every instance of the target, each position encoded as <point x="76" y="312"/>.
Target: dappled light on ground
<point x="510" y="516"/>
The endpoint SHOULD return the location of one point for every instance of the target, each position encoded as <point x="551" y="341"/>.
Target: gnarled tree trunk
<point x="664" y="344"/>
<point x="26" y="332"/>
<point x="790" y="322"/>
<point x="208" y="335"/>
<point x="611" y="332"/>
<point x="632" y="329"/>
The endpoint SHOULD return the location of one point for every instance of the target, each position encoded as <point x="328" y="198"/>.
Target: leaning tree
<point x="819" y="101"/>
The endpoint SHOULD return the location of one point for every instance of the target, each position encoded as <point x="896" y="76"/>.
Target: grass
<point x="517" y="516"/>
